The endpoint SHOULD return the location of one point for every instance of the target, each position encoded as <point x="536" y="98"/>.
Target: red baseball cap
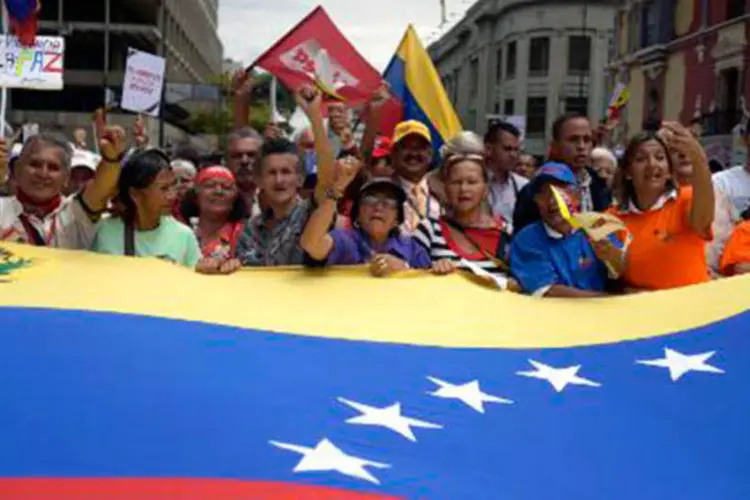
<point x="383" y="146"/>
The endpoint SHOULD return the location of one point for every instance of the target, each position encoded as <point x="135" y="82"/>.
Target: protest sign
<point x="38" y="67"/>
<point x="144" y="79"/>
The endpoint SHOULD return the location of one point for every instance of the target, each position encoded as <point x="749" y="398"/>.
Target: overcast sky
<point x="375" y="27"/>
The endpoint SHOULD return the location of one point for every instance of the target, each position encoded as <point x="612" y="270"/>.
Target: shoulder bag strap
<point x="129" y="239"/>
<point x="499" y="262"/>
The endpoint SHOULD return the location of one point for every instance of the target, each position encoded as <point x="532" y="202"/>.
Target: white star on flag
<point x="559" y="378"/>
<point x="327" y="457"/>
<point x="389" y="417"/>
<point x="470" y="393"/>
<point x="679" y="364"/>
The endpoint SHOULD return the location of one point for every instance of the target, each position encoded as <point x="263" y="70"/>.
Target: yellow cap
<point x="410" y="127"/>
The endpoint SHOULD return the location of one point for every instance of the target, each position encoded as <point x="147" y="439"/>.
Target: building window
<point x="510" y="61"/>
<point x="579" y="105"/>
<point x="649" y="24"/>
<point x="539" y="56"/>
<point x="509" y="107"/>
<point x="579" y="55"/>
<point x="536" y="115"/>
<point x="728" y="114"/>
<point x="474" y="78"/>
<point x="633" y="21"/>
<point x="735" y="8"/>
<point x="499" y="66"/>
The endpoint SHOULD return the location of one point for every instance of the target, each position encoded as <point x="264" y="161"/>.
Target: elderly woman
<point x="375" y="238"/>
<point x="184" y="173"/>
<point x="670" y="224"/>
<point x="217" y="214"/>
<point x="604" y="163"/>
<point x="468" y="233"/>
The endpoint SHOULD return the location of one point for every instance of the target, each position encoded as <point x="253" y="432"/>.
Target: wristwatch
<point x="334" y="195"/>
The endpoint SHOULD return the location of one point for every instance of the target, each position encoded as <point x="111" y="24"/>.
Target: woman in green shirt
<point x="146" y="191"/>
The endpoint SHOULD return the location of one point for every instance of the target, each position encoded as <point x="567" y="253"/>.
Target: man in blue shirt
<point x="549" y="257"/>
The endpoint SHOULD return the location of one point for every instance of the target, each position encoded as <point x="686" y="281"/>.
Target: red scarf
<point x="36" y="208"/>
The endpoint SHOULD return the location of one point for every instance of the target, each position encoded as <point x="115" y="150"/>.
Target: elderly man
<point x="39" y="213"/>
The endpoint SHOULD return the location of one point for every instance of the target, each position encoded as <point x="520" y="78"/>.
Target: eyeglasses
<point x="372" y="201"/>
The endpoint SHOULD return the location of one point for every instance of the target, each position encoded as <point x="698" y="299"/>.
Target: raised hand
<point x="381" y="96"/>
<point x="112" y="144"/>
<point x="309" y="98"/>
<point x="346" y="170"/>
<point x="242" y="84"/>
<point x="681" y="139"/>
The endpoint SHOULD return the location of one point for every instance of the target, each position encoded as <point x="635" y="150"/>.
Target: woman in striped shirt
<point x="468" y="237"/>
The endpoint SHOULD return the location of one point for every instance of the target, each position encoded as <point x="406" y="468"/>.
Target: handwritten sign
<point x="39" y="67"/>
<point x="144" y="80"/>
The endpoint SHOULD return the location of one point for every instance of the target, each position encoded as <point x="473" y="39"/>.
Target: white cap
<point x="86" y="159"/>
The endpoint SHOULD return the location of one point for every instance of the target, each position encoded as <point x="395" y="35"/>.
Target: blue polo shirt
<point x="353" y="246"/>
<point x="540" y="258"/>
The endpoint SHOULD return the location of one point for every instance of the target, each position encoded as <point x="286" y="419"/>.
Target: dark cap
<point x="382" y="184"/>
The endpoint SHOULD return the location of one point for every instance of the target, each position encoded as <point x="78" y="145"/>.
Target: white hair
<point x="184" y="166"/>
<point x="465" y="143"/>
<point x="604" y="153"/>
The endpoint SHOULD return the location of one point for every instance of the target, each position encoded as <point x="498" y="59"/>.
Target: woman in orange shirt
<point x="670" y="224"/>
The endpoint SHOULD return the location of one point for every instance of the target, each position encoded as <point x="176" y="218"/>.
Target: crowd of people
<point x="479" y="205"/>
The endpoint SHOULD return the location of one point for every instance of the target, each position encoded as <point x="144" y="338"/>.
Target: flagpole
<point x="272" y="99"/>
<point x="4" y="89"/>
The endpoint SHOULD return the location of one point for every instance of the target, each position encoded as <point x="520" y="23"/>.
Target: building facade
<point x="687" y="60"/>
<point x="97" y="36"/>
<point x="536" y="59"/>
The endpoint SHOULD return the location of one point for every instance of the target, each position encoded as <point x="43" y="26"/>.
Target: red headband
<point x="215" y="172"/>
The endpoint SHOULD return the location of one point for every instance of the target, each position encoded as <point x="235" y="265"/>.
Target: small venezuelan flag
<point x="22" y="15"/>
<point x="416" y="85"/>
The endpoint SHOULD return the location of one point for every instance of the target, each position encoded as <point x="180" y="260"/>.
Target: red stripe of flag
<point x="169" y="488"/>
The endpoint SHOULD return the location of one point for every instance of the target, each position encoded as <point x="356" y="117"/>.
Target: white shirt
<point x="503" y="196"/>
<point x="68" y="226"/>
<point x="734" y="184"/>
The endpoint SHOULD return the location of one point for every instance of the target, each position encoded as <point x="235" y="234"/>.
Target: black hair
<point x="281" y="146"/>
<point x="186" y="151"/>
<point x="139" y="172"/>
<point x="497" y="126"/>
<point x="189" y="207"/>
<point x="624" y="191"/>
<point x="560" y="121"/>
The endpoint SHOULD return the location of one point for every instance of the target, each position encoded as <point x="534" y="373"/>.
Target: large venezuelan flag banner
<point x="418" y="91"/>
<point x="135" y="379"/>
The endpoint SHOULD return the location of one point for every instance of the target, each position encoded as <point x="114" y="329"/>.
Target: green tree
<point x="220" y="120"/>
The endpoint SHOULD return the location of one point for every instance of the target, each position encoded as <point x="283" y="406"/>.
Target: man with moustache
<point x="411" y="158"/>
<point x="243" y="152"/>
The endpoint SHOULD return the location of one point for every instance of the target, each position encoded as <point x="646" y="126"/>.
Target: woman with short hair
<point x="467" y="237"/>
